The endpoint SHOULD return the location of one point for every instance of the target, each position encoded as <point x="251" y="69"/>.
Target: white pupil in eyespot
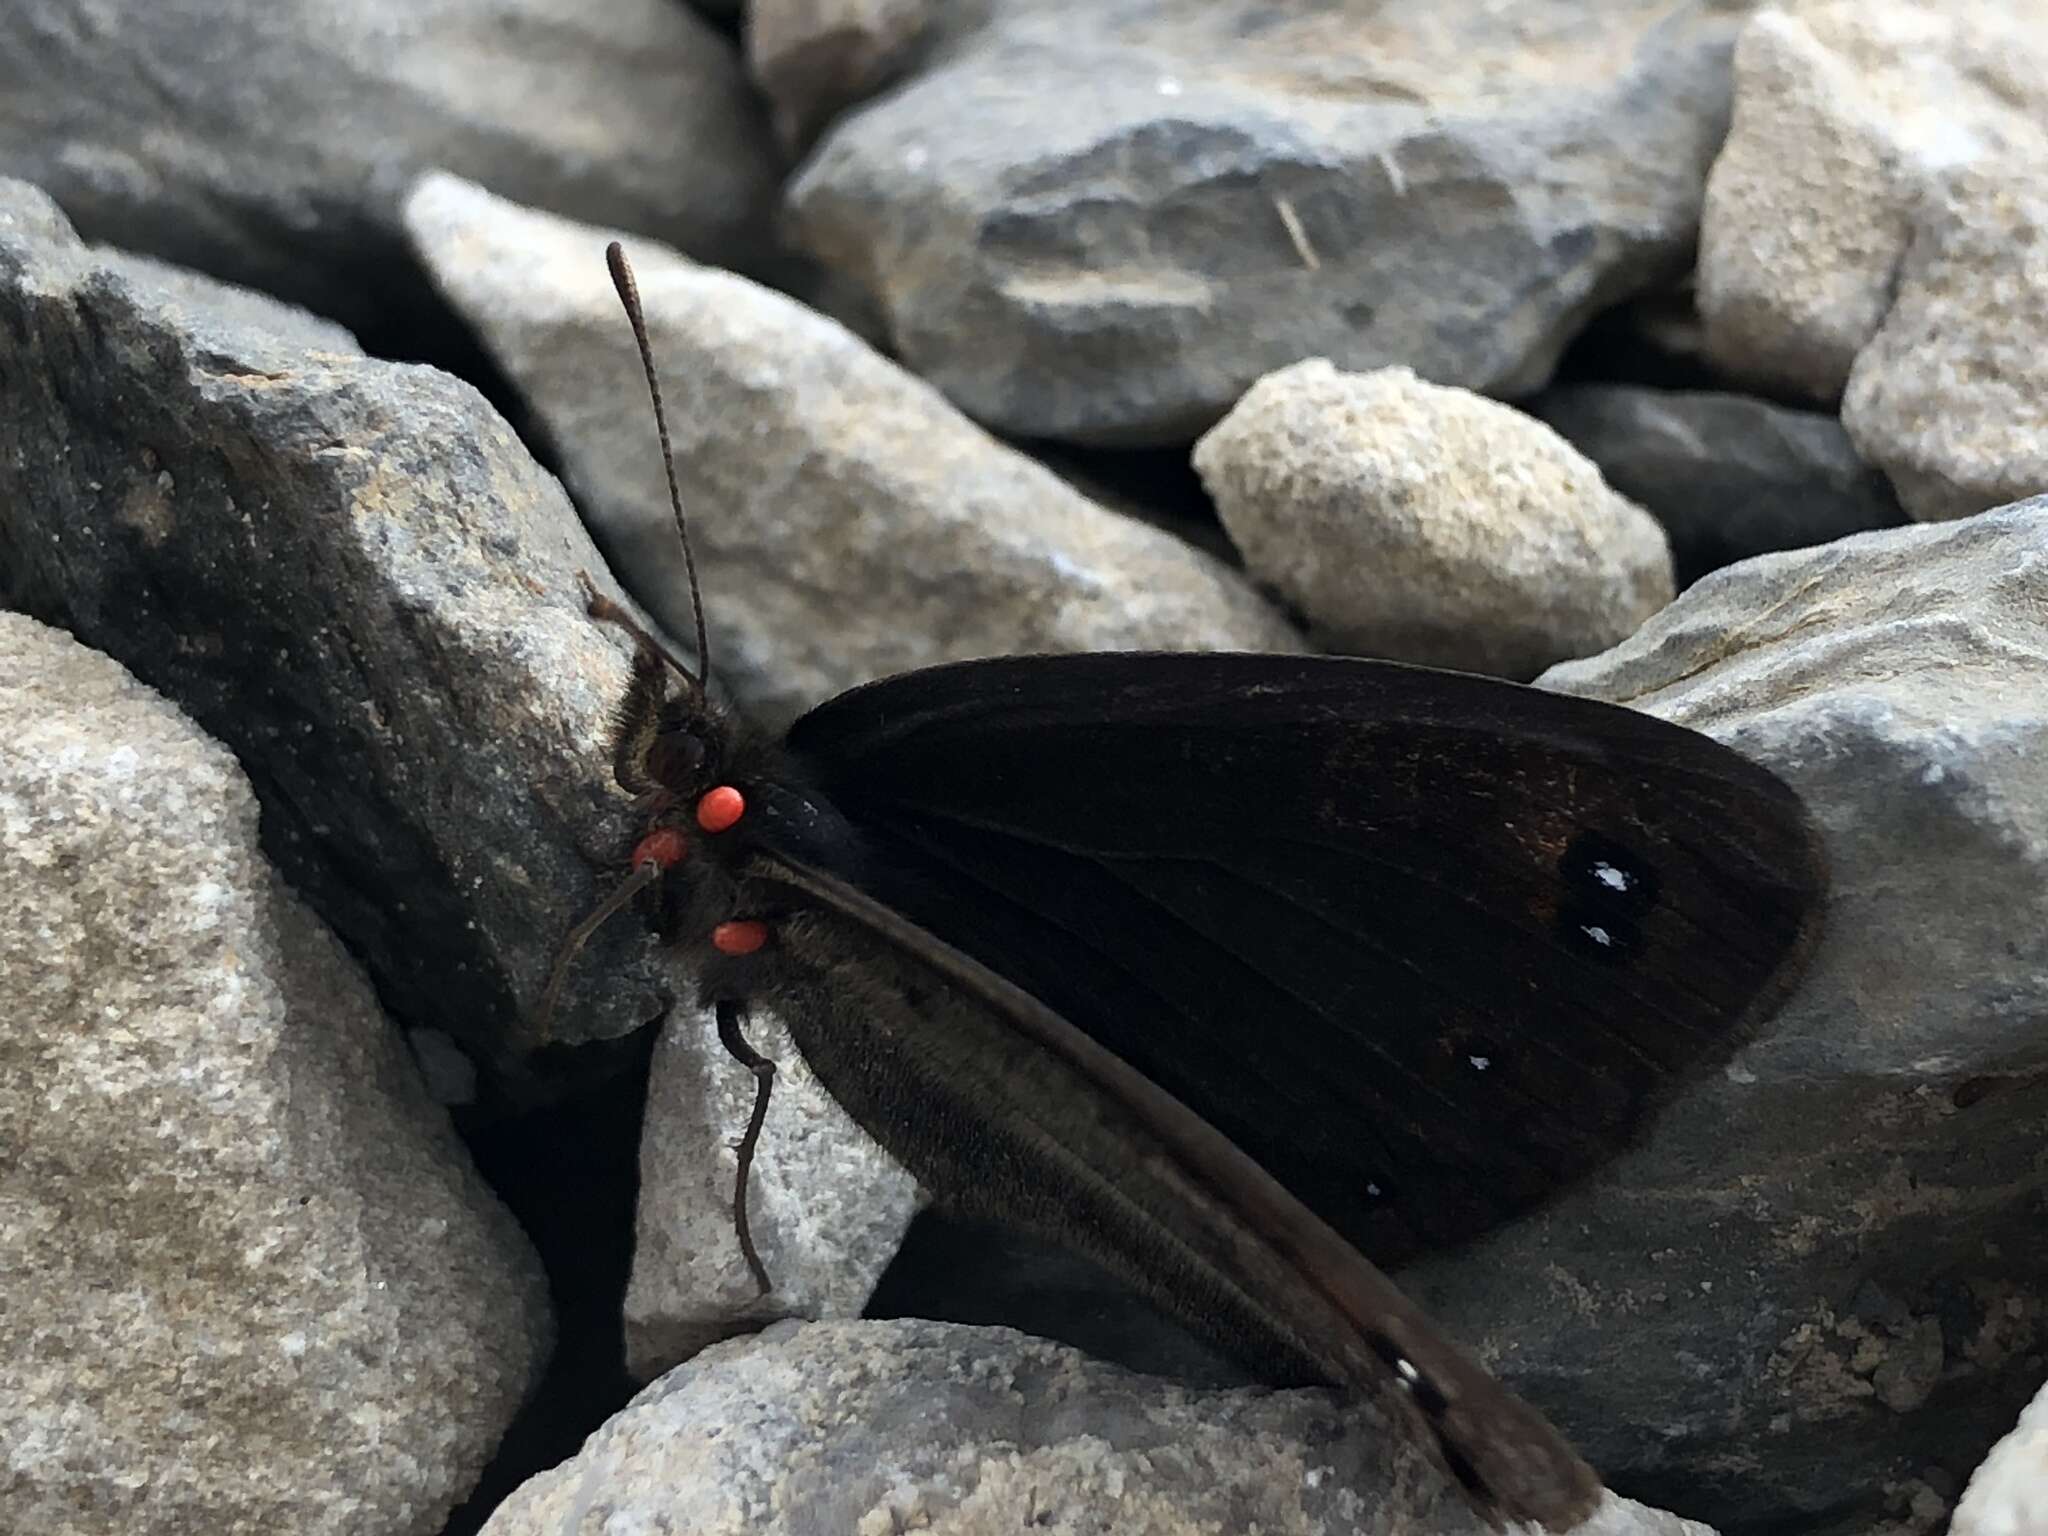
<point x="1599" y="936"/>
<point x="1614" y="879"/>
<point x="1480" y="1063"/>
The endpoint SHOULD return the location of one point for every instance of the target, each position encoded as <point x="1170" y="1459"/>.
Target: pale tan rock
<point x="1429" y="524"/>
<point x="1950" y="398"/>
<point x="251" y="1281"/>
<point x="813" y="58"/>
<point x="1846" y="112"/>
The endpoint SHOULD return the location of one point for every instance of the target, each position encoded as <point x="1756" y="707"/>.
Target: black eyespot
<point x="1608" y="891"/>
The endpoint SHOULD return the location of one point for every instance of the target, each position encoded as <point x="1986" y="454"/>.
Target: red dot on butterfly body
<point x="664" y="846"/>
<point x="721" y="808"/>
<point x="739" y="938"/>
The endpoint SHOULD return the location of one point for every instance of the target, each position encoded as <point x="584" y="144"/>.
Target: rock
<point x="880" y="1427"/>
<point x="252" y="1281"/>
<point x="1846" y="112"/>
<point x="1950" y="397"/>
<point x="1729" y="476"/>
<point x="269" y="143"/>
<point x="1691" y="1315"/>
<point x="352" y="574"/>
<point x="814" y="58"/>
<point x="827" y="1206"/>
<point x="1428" y="524"/>
<point x="2008" y="1495"/>
<point x="848" y="523"/>
<point x="1226" y="189"/>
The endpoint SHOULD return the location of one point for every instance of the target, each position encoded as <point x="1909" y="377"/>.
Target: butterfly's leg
<point x="732" y="1018"/>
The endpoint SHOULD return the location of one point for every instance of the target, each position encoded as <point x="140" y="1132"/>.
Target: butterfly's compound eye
<point x="664" y="848"/>
<point x="674" y="756"/>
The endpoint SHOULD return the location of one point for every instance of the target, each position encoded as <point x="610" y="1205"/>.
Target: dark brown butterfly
<point x="1227" y="970"/>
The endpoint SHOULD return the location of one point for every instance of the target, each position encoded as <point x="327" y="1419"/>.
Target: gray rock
<point x="252" y="1282"/>
<point x="2008" y="1494"/>
<point x="353" y="574"/>
<point x="269" y="143"/>
<point x="848" y="523"/>
<point x="1729" y="476"/>
<point x="1951" y="395"/>
<point x="814" y="58"/>
<point x="1846" y="111"/>
<point x="1222" y="190"/>
<point x="826" y="1205"/>
<point x="1741" y="1317"/>
<point x="877" y="1427"/>
<point x="1428" y="524"/>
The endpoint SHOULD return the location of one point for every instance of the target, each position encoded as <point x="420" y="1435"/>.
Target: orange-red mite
<point x="739" y="938"/>
<point x="664" y="847"/>
<point x="721" y="808"/>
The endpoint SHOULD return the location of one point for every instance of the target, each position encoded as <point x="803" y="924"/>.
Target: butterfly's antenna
<point x="644" y="874"/>
<point x="629" y="296"/>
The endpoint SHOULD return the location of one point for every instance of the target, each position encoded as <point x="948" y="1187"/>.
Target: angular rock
<point x="1427" y="524"/>
<point x="1818" y="1275"/>
<point x="814" y="58"/>
<point x="352" y="574"/>
<point x="1846" y="112"/>
<point x="878" y="1427"/>
<point x="827" y="1207"/>
<point x="1729" y="476"/>
<point x="268" y="143"/>
<point x="1950" y="397"/>
<point x="847" y="522"/>
<point x="2008" y="1494"/>
<point x="1223" y="190"/>
<point x="251" y="1280"/>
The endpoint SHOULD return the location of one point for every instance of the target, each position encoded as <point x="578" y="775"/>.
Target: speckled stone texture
<point x="1426" y="524"/>
<point x="251" y="1282"/>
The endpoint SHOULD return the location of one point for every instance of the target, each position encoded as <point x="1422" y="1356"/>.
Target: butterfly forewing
<point x="1426" y="945"/>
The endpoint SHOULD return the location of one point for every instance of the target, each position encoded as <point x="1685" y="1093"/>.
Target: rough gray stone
<point x="848" y="523"/>
<point x="1740" y="1318"/>
<point x="814" y="58"/>
<point x="826" y="1205"/>
<point x="353" y="574"/>
<point x="1846" y="112"/>
<point x="1428" y="524"/>
<point x="251" y="1280"/>
<point x="1102" y="223"/>
<point x="1729" y="476"/>
<point x="1950" y="397"/>
<point x="871" y="1428"/>
<point x="2008" y="1494"/>
<point x="268" y="141"/>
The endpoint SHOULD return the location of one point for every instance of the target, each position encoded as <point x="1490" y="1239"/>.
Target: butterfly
<point x="1226" y="970"/>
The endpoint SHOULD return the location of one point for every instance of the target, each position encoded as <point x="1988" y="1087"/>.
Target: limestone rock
<point x="827" y="1207"/>
<point x="814" y="58"/>
<point x="878" y="1427"/>
<point x="1728" y="475"/>
<point x="1102" y="223"/>
<point x="1846" y="113"/>
<point x="1430" y="525"/>
<point x="352" y="574"/>
<point x="268" y="141"/>
<point x="1818" y="1274"/>
<point x="848" y="523"/>
<point x="251" y="1280"/>
<point x="1950" y="397"/>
